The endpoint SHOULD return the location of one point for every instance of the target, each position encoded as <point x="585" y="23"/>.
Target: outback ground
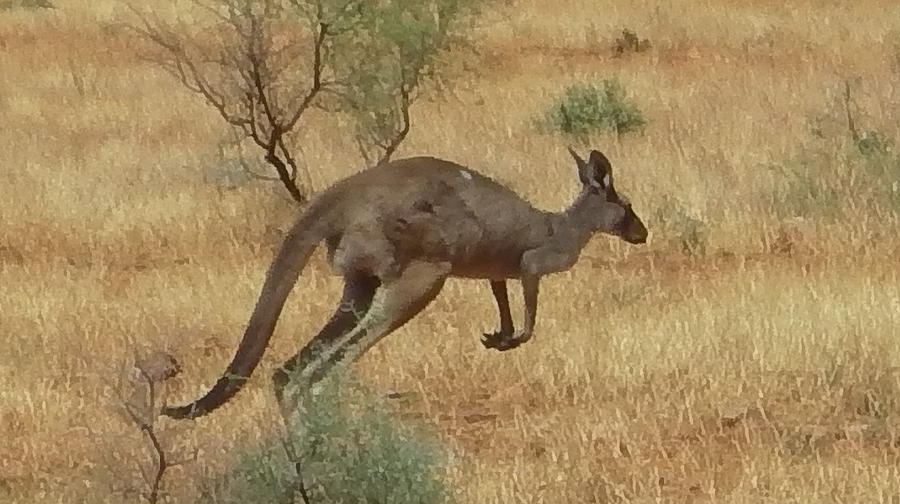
<point x="747" y="353"/>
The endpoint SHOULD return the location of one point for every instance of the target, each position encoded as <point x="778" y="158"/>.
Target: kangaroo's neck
<point x="573" y="227"/>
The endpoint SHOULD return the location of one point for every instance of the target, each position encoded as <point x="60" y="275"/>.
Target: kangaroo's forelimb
<point x="530" y="285"/>
<point x="498" y="288"/>
<point x="495" y="339"/>
<point x="507" y="338"/>
<point x="535" y="263"/>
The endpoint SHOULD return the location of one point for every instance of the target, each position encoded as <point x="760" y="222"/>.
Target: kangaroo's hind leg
<point x="359" y="290"/>
<point x="394" y="303"/>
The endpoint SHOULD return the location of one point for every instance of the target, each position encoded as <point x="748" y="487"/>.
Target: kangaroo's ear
<point x="600" y="169"/>
<point x="596" y="171"/>
<point x="578" y="160"/>
<point x="584" y="170"/>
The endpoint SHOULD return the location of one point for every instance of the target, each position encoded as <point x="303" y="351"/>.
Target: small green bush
<point x="25" y="4"/>
<point x="848" y="166"/>
<point x="352" y="452"/>
<point x="872" y="144"/>
<point x="822" y="183"/>
<point x="877" y="170"/>
<point x="586" y="108"/>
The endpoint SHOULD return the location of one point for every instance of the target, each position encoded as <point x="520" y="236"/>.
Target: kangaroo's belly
<point x="491" y="265"/>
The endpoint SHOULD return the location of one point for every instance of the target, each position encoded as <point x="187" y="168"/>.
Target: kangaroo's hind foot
<point x="502" y="340"/>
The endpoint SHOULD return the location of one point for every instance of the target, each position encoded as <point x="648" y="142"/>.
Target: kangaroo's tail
<point x="296" y="249"/>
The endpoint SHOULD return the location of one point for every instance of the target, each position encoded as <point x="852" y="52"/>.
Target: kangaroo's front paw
<point x="495" y="339"/>
<point x="502" y="340"/>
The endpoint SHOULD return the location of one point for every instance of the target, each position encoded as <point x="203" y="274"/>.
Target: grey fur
<point x="395" y="233"/>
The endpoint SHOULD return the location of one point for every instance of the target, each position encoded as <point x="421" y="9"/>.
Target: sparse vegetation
<point x="25" y="4"/>
<point x="265" y="65"/>
<point x="809" y="186"/>
<point x="763" y="370"/>
<point x="588" y="108"/>
<point x="816" y="181"/>
<point x="354" y="452"/>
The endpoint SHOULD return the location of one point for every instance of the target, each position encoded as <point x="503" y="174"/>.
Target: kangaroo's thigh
<point x="365" y="250"/>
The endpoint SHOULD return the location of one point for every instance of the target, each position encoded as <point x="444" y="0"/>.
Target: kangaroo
<point x="395" y="233"/>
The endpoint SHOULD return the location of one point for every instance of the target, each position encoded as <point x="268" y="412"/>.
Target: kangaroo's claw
<point x="500" y="340"/>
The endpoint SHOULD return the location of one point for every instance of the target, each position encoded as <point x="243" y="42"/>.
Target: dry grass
<point x="742" y="374"/>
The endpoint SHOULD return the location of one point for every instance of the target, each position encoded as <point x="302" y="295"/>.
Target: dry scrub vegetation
<point x="747" y="353"/>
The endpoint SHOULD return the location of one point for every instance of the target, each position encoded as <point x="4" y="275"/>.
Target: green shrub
<point x="822" y="184"/>
<point x="848" y="166"/>
<point x="352" y="452"/>
<point x="877" y="171"/>
<point x="586" y="108"/>
<point x="25" y="4"/>
<point x="873" y="144"/>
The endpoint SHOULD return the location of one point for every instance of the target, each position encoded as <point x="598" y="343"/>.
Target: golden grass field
<point x="114" y="240"/>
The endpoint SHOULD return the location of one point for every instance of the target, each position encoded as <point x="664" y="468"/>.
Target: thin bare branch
<point x="287" y="157"/>
<point x="253" y="126"/>
<point x="398" y="138"/>
<point x="300" y="486"/>
<point x="851" y="124"/>
<point x="154" y="481"/>
<point x="362" y="147"/>
<point x="263" y="99"/>
<point x="317" y="77"/>
<point x="282" y="170"/>
<point x="182" y="66"/>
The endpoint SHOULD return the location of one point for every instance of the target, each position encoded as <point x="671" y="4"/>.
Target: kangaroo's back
<point x="436" y="208"/>
<point x="409" y="174"/>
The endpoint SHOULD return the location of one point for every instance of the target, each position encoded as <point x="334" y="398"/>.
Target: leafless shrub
<point x="139" y="397"/>
<point x="264" y="64"/>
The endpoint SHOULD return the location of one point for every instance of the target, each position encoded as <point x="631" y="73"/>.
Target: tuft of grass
<point x="807" y="187"/>
<point x="847" y="168"/>
<point x="586" y="108"/>
<point x="690" y="233"/>
<point x="352" y="451"/>
<point x="629" y="42"/>
<point x="26" y="4"/>
<point x="825" y="183"/>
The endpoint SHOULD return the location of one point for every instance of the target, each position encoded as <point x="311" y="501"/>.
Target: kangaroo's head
<point x="611" y="212"/>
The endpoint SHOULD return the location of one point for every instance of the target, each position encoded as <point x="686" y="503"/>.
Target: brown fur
<point x="395" y="233"/>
